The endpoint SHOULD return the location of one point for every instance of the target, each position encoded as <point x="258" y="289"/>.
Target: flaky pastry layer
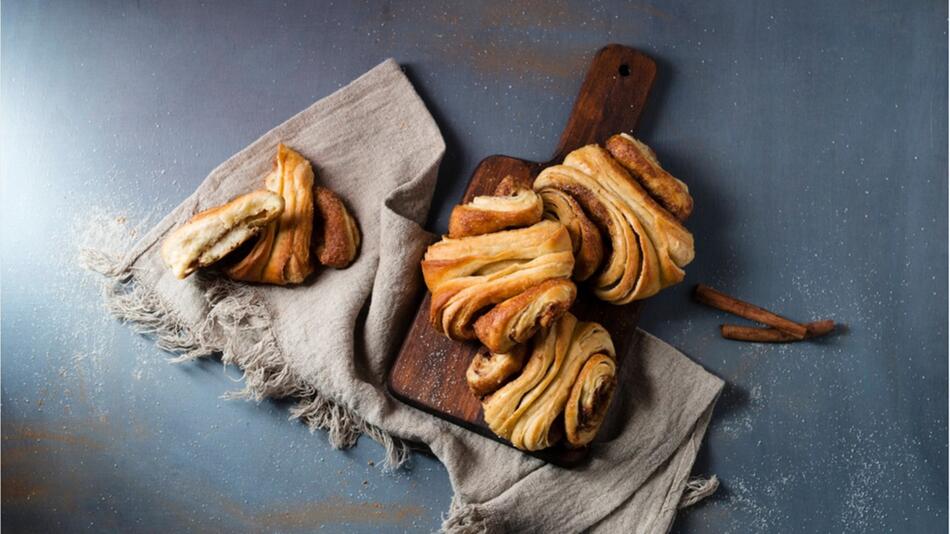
<point x="641" y="161"/>
<point x="212" y="234"/>
<point x="282" y="254"/>
<point x="648" y="246"/>
<point x="525" y="410"/>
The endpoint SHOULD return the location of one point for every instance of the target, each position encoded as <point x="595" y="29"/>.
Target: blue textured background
<point x="813" y="135"/>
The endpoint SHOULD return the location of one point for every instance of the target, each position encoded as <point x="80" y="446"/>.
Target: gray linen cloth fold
<point x="328" y="344"/>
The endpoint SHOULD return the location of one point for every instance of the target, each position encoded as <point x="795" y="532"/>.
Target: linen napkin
<point x="329" y="343"/>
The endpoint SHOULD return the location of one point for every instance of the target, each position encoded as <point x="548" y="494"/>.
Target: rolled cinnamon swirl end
<point x="585" y="238"/>
<point x="589" y="400"/>
<point x="489" y="370"/>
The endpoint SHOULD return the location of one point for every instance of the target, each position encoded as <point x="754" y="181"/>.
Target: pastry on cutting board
<point x="648" y="246"/>
<point x="609" y="216"/>
<point x="515" y="320"/>
<point x="469" y="275"/>
<point x="489" y="370"/>
<point x="566" y="365"/>
<point x="213" y="234"/>
<point x="512" y="206"/>
<point x="641" y="161"/>
<point x="586" y="242"/>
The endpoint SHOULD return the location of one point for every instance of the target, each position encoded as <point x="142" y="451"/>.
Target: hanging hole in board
<point x="624" y="70"/>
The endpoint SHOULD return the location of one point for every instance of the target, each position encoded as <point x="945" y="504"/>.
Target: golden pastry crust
<point x="649" y="247"/>
<point x="585" y="238"/>
<point x="469" y="274"/>
<point x="514" y="208"/>
<point x="488" y="370"/>
<point x="516" y="320"/>
<point x="618" y="274"/>
<point x="590" y="397"/>
<point x="525" y="410"/>
<point x="282" y="254"/>
<point x="212" y="234"/>
<point x="505" y="407"/>
<point x="339" y="236"/>
<point x="640" y="160"/>
<point x="616" y="179"/>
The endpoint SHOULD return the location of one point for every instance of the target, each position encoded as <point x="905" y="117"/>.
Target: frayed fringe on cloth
<point x="464" y="519"/>
<point x="237" y="319"/>
<point x="697" y="489"/>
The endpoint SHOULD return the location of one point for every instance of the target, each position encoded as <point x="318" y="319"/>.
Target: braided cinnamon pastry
<point x="469" y="274"/>
<point x="512" y="206"/>
<point x="282" y="254"/>
<point x="525" y="410"/>
<point x="649" y="247"/>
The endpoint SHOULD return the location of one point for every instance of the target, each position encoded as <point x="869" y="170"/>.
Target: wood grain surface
<point x="429" y="371"/>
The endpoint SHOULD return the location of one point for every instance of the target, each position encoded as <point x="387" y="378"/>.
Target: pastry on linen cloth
<point x="213" y="234"/>
<point x="338" y="236"/>
<point x="282" y="253"/>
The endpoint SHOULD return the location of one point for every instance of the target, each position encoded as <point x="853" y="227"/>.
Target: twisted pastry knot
<point x="525" y="272"/>
<point x="282" y="254"/>
<point x="570" y="371"/>
<point x="648" y="246"/>
<point x="489" y="370"/>
<point x="586" y="243"/>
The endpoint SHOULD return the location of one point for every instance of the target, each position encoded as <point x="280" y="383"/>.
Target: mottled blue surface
<point x="813" y="136"/>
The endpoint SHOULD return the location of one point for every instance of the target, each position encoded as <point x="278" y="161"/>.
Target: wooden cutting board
<point x="429" y="371"/>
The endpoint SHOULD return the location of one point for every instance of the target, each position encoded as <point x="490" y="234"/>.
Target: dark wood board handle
<point x="611" y="98"/>
<point x="429" y="371"/>
<point x="610" y="101"/>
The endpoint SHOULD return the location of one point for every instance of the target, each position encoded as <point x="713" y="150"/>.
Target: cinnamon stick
<point x="721" y="301"/>
<point x="773" y="335"/>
